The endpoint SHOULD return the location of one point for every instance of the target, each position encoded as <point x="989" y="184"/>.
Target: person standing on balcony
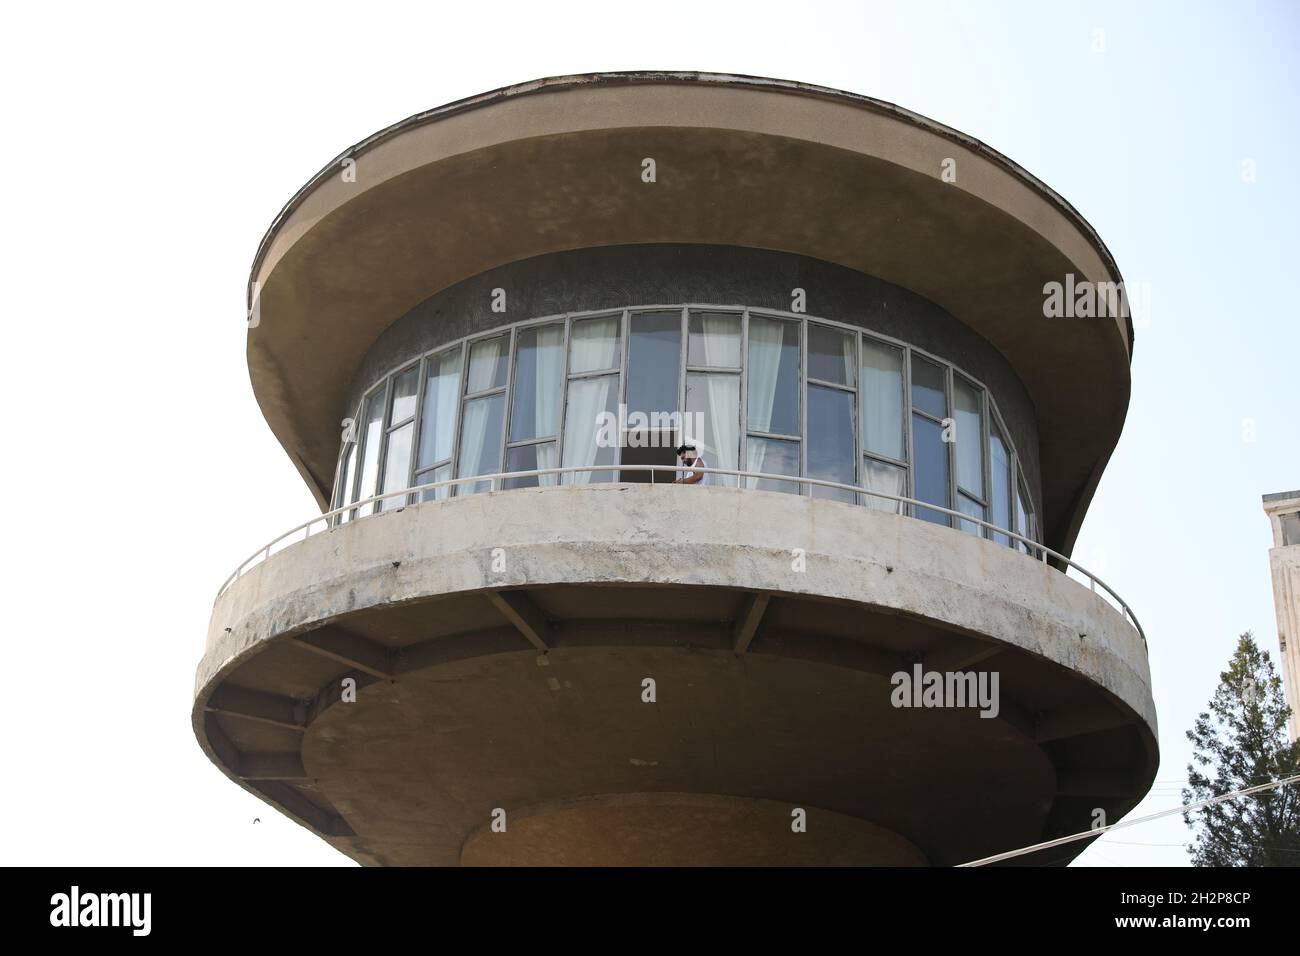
<point x="691" y="459"/>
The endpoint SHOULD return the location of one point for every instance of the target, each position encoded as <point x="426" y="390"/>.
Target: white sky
<point x="146" y="149"/>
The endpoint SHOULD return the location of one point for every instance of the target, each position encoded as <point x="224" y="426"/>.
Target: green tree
<point x="1241" y="742"/>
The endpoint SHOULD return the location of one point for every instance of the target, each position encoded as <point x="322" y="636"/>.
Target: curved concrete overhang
<point x="488" y="634"/>
<point x="555" y="165"/>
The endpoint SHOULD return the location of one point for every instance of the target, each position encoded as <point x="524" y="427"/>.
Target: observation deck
<point x="500" y="642"/>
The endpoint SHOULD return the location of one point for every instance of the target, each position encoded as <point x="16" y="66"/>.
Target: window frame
<point x="570" y="319"/>
<point x="558" y="437"/>
<point x="958" y="491"/>
<point x="908" y="352"/>
<point x="688" y="369"/>
<point x="418" y="471"/>
<point x="854" y="390"/>
<point x="801" y="389"/>
<point x="950" y="452"/>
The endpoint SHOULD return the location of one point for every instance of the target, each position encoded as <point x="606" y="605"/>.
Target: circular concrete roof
<point x="555" y="164"/>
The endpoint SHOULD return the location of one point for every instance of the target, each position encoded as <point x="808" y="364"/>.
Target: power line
<point x="1236" y="843"/>
<point x="1088" y="834"/>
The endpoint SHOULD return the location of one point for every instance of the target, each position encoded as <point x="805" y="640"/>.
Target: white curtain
<point x="1024" y="519"/>
<point x="438" y="419"/>
<point x="448" y="397"/>
<point x="548" y="456"/>
<point x="480" y="441"/>
<point x="765" y="338"/>
<point x="550" y="366"/>
<point x="848" y="345"/>
<point x="1000" y="471"/>
<point x="721" y="340"/>
<point x="370" y="450"/>
<point x="890" y="479"/>
<point x="722" y="350"/>
<point x="724" y="422"/>
<point x="717" y="397"/>
<point x="588" y="398"/>
<point x="756" y="451"/>
<point x="594" y="345"/>
<point x="968" y="507"/>
<point x="473" y="435"/>
<point x="483" y="358"/>
<point x="344" y="495"/>
<point x="970" y="441"/>
<point x="441" y="473"/>
<point x="882" y="399"/>
<point x="397" y="466"/>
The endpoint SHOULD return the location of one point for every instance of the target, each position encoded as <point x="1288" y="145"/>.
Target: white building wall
<point x="1284" y="562"/>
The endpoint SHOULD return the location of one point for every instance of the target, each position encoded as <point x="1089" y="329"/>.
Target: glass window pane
<point x="969" y="435"/>
<point x="969" y="506"/>
<point x="773" y="376"/>
<point x="533" y="458"/>
<point x="397" y="465"/>
<point x="342" y="494"/>
<point x="831" y="452"/>
<point x="488" y="364"/>
<point x="928" y="387"/>
<point x="930" y="459"/>
<point x="372" y="430"/>
<point x="772" y="457"/>
<point x="538" y="368"/>
<point x="713" y="420"/>
<point x="480" y="441"/>
<point x="831" y="354"/>
<point x="441" y="473"/>
<point x="405" y="386"/>
<point x="715" y="340"/>
<point x="441" y="397"/>
<point x="1000" y="472"/>
<point x="595" y="344"/>
<point x="882" y="399"/>
<point x="1290" y="529"/>
<point x="1024" y="517"/>
<point x="591" y="428"/>
<point x="887" y="478"/>
<point x="654" y="360"/>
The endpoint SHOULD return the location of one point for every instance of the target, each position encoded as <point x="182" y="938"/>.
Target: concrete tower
<point x="508" y="640"/>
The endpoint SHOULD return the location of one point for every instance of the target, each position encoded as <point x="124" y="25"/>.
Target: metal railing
<point x="418" y="493"/>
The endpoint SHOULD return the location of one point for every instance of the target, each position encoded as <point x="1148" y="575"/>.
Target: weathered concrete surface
<point x="741" y="162"/>
<point x="458" y="712"/>
<point x="738" y="539"/>
<point x="682" y="829"/>
<point x="418" y="766"/>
